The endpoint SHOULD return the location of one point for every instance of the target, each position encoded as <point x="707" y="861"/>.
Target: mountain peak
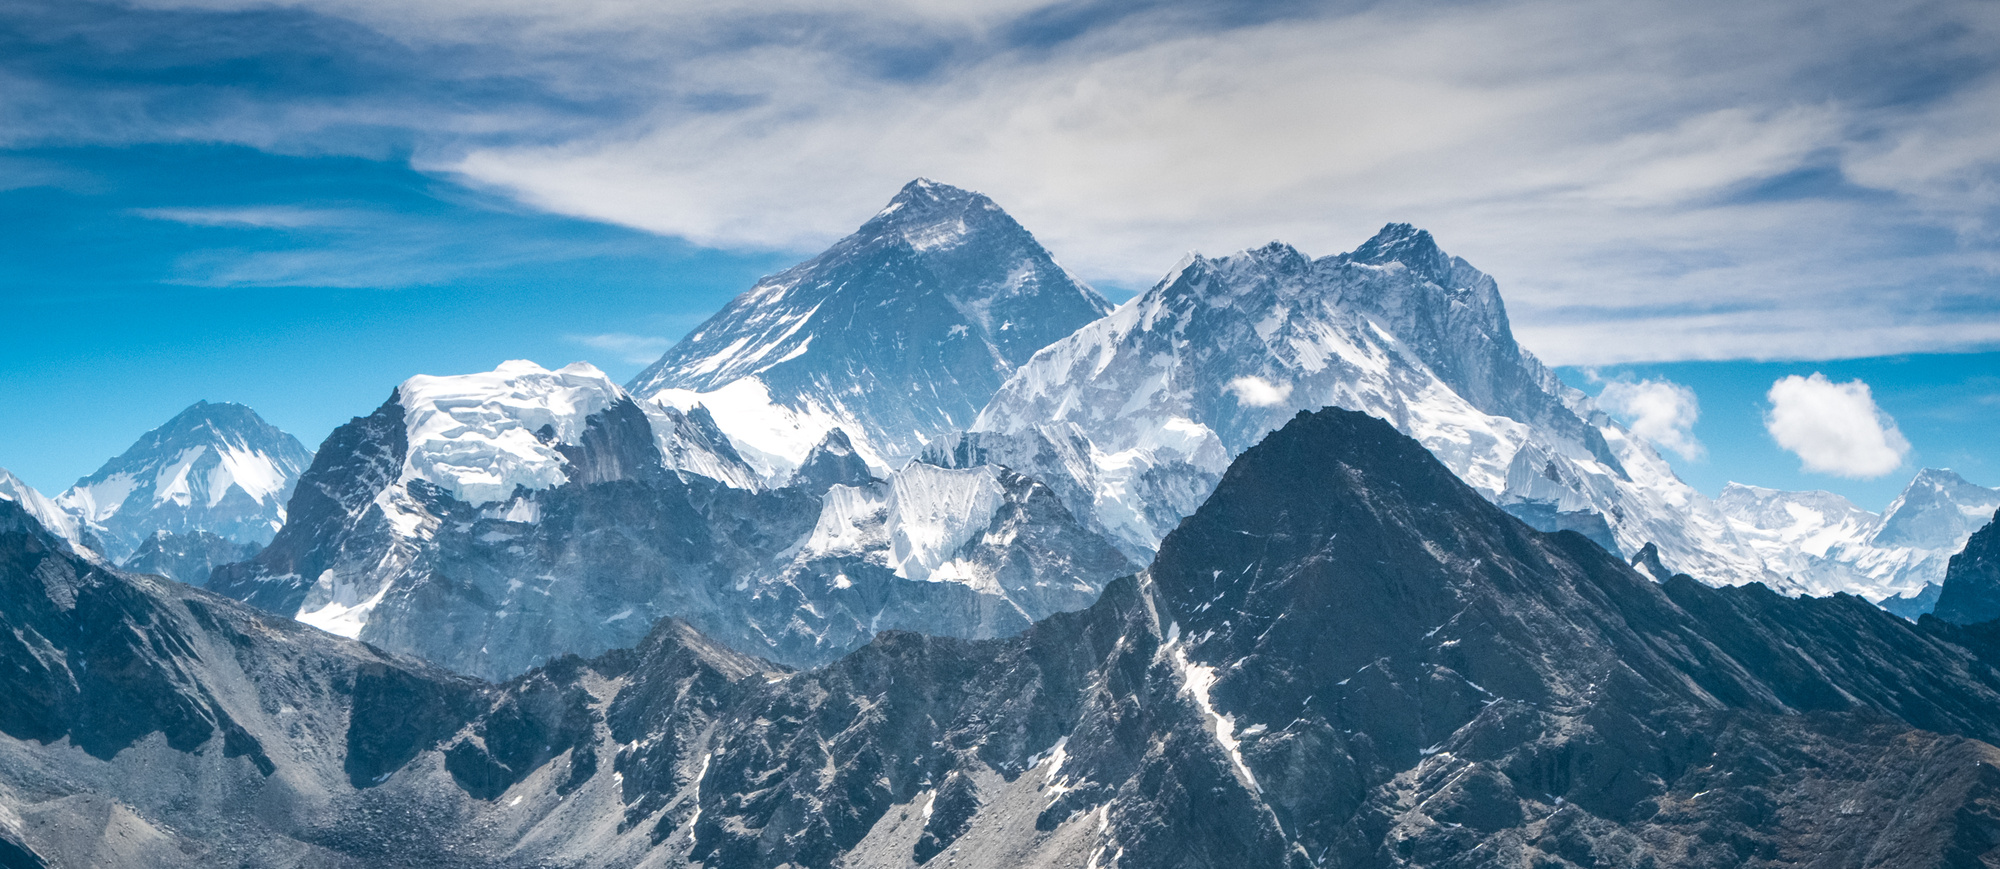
<point x="1406" y="244"/>
<point x="924" y="202"/>
<point x="215" y="466"/>
<point x="1937" y="478"/>
<point x="897" y="333"/>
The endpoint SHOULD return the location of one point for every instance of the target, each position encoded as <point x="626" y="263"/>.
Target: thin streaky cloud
<point x="633" y="349"/>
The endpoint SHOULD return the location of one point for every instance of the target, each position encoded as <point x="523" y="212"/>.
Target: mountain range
<point x="1827" y="545"/>
<point x="1346" y="656"/>
<point x="493" y="522"/>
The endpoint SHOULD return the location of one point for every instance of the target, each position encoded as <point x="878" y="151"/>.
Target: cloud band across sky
<point x="1648" y="180"/>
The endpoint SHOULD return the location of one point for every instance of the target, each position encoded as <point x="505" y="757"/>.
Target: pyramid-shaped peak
<point x="205" y="419"/>
<point x="1938" y="478"/>
<point x="924" y="200"/>
<point x="1406" y="244"/>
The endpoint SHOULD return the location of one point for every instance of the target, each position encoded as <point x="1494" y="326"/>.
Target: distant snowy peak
<point x="1938" y="510"/>
<point x="896" y="334"/>
<point x="215" y="467"/>
<point x="1825" y="544"/>
<point x="1225" y="350"/>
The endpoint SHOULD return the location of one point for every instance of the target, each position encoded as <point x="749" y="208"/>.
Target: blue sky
<point x="297" y="204"/>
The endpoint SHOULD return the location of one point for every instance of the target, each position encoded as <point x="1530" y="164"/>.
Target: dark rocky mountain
<point x="214" y="467"/>
<point x="1346" y="657"/>
<point x="1971" y="591"/>
<point x="896" y="334"/>
<point x="188" y="557"/>
<point x="404" y="535"/>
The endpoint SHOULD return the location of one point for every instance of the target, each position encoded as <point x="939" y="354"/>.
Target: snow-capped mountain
<point x="465" y="447"/>
<point x="897" y="334"/>
<point x="217" y="467"/>
<point x="1825" y="544"/>
<point x="1133" y="417"/>
<point x="491" y="522"/>
<point x="45" y="511"/>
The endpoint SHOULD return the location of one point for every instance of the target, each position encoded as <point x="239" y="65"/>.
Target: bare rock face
<point x="1971" y="592"/>
<point x="1346" y="657"/>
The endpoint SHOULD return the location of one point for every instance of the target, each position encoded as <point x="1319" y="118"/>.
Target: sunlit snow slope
<point x="1142" y="410"/>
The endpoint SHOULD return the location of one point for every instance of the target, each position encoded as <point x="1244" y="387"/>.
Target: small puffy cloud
<point x="1834" y="428"/>
<point x="1660" y="411"/>
<point x="636" y="349"/>
<point x="1258" y="392"/>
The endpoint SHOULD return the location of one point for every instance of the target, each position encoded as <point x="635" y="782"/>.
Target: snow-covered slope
<point x="1142" y="409"/>
<point x="1825" y="544"/>
<point x="218" y="468"/>
<point x="45" y="511"/>
<point x="896" y="334"/>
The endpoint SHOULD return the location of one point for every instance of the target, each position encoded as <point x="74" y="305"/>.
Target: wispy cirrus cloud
<point x="1649" y="180"/>
<point x="634" y="349"/>
<point x="252" y="217"/>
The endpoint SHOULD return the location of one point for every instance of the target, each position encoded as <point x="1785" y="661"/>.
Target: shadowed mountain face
<point x="1971" y="591"/>
<point x="1345" y="658"/>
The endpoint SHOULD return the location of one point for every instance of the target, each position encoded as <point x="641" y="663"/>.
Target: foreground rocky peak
<point x="1970" y="593"/>
<point x="896" y="334"/>
<point x="215" y="467"/>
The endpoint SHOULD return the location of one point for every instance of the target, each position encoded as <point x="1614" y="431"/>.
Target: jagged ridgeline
<point x="1345" y="657"/>
<point x="759" y="483"/>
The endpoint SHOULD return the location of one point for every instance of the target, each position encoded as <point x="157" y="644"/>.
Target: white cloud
<point x="635" y="349"/>
<point x="1254" y="391"/>
<point x="1660" y="411"/>
<point x="1608" y="164"/>
<point x="1834" y="428"/>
